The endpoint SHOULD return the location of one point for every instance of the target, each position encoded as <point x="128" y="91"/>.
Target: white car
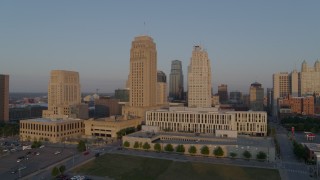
<point x="57" y="152"/>
<point x="37" y="153"/>
<point x="42" y="146"/>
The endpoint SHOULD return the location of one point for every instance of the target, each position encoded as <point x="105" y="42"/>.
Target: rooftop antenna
<point x="97" y="91"/>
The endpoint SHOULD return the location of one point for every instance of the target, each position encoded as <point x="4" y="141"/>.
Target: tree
<point x="205" y="150"/>
<point x="218" y="151"/>
<point x="192" y="150"/>
<point x="157" y="147"/>
<point x="55" y="172"/>
<point x="136" y="145"/>
<point x="261" y="155"/>
<point x="168" y="147"/>
<point x="246" y="154"/>
<point x="180" y="148"/>
<point x="62" y="169"/>
<point x="126" y="144"/>
<point x="233" y="154"/>
<point x="81" y="146"/>
<point x="146" y="146"/>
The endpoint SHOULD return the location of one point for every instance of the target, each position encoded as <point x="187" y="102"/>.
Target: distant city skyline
<point x="247" y="41"/>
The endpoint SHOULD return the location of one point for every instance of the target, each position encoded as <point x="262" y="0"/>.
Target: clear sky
<point x="247" y="40"/>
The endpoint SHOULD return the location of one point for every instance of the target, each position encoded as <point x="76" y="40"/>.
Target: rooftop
<point x="48" y="120"/>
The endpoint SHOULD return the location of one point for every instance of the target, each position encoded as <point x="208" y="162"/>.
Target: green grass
<point x="131" y="167"/>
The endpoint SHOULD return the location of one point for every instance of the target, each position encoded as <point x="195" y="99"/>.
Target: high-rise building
<point x="235" y="97"/>
<point x="63" y="92"/>
<point x="4" y="97"/>
<point x="143" y="72"/>
<point x="223" y="93"/>
<point x="176" y="81"/>
<point x="284" y="84"/>
<point x="256" y="97"/>
<point x="161" y="88"/>
<point x="199" y="79"/>
<point x="269" y="100"/>
<point x="309" y="79"/>
<point x="142" y="77"/>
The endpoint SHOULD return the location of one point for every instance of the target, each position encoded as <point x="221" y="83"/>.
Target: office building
<point x="256" y="94"/>
<point x="208" y="120"/>
<point x="161" y="88"/>
<point x="298" y="105"/>
<point x="176" y="81"/>
<point x="63" y="92"/>
<point x="142" y="77"/>
<point x="4" y="98"/>
<point x="122" y="94"/>
<point x="223" y="93"/>
<point x="310" y="79"/>
<point x="108" y="127"/>
<point x="51" y="130"/>
<point x="199" y="79"/>
<point x="235" y="97"/>
<point x="284" y="84"/>
<point x="111" y="106"/>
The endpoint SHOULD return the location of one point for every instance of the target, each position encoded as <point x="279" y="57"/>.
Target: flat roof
<point x="313" y="146"/>
<point x="211" y="139"/>
<point x="49" y="120"/>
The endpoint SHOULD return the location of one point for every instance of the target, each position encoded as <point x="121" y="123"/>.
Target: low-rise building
<point x="238" y="145"/>
<point x="108" y="127"/>
<point x="208" y="120"/>
<point x="52" y="130"/>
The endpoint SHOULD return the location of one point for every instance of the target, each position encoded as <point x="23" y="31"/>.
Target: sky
<point x="246" y="40"/>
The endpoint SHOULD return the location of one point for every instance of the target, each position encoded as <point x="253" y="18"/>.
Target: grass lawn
<point x="131" y="167"/>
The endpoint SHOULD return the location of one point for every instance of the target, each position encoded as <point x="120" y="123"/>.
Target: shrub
<point x="205" y="150"/>
<point x="246" y="154"/>
<point x="157" y="147"/>
<point x="136" y="145"/>
<point x="146" y="146"/>
<point x="126" y="144"/>
<point x="261" y="155"/>
<point x="169" y="148"/>
<point x="218" y="151"/>
<point x="233" y="155"/>
<point x="192" y="150"/>
<point x="180" y="148"/>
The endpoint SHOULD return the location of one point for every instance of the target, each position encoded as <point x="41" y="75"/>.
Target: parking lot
<point x="31" y="162"/>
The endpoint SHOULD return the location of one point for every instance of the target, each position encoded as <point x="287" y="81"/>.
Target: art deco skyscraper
<point x="63" y="92"/>
<point x="176" y="81"/>
<point x="199" y="79"/>
<point x="143" y="72"/>
<point x="4" y="97"/>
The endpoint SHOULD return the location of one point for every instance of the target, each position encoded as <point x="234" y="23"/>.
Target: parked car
<point x="86" y="153"/>
<point x="57" y="152"/>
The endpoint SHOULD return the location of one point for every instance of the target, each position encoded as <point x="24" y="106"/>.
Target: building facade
<point x="4" y="97"/>
<point x="199" y="79"/>
<point x="122" y="94"/>
<point x="63" y="92"/>
<point x="161" y="88"/>
<point x="52" y="130"/>
<point x="223" y="93"/>
<point x="235" y="97"/>
<point x="310" y="79"/>
<point x="142" y="77"/>
<point x="298" y="105"/>
<point x="176" y="81"/>
<point x="108" y="127"/>
<point x="256" y="93"/>
<point x="284" y="84"/>
<point x="208" y="120"/>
